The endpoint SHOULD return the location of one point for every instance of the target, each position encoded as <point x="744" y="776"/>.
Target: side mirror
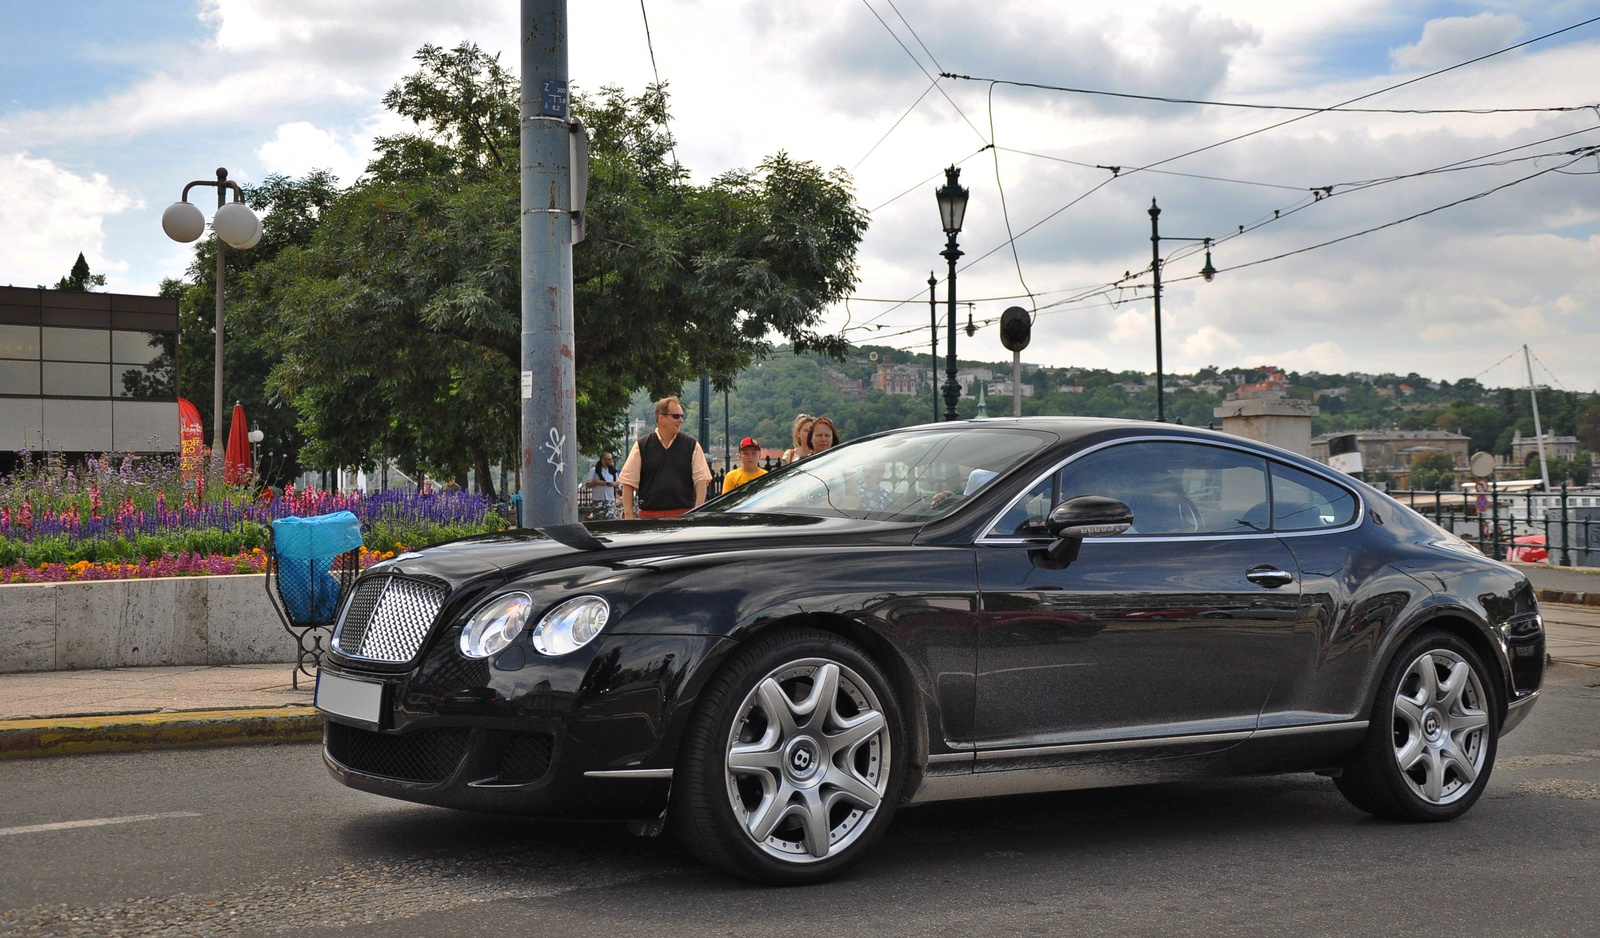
<point x="1085" y="516"/>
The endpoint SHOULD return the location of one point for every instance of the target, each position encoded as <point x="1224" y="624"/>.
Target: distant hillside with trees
<point x="767" y="395"/>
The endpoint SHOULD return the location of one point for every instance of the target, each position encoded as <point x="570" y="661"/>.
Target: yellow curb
<point x="63" y="736"/>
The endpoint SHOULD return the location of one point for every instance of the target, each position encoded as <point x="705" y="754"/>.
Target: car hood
<point x="521" y="551"/>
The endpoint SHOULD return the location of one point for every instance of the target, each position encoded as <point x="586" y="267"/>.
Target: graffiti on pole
<point x="556" y="445"/>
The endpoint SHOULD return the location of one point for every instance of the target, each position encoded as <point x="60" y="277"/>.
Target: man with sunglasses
<point x="667" y="468"/>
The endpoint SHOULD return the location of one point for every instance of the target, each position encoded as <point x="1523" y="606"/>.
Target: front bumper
<point x="589" y="735"/>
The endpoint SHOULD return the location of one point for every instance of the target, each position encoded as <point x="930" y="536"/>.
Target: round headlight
<point x="571" y="625"/>
<point x="496" y="625"/>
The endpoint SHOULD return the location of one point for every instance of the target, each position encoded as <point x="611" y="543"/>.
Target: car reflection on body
<point x="771" y="676"/>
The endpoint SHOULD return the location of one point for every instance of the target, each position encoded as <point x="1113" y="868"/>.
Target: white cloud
<point x="1208" y="343"/>
<point x="300" y="147"/>
<point x="1452" y="39"/>
<point x="49" y="214"/>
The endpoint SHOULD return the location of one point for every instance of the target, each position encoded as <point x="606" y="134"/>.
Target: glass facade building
<point x="87" y="372"/>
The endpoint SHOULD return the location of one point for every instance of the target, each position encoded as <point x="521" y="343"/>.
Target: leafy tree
<point x="1433" y="470"/>
<point x="1588" y="426"/>
<point x="80" y="280"/>
<point x="1482" y="424"/>
<point x="399" y="322"/>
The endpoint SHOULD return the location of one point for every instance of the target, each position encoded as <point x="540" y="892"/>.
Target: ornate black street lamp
<point x="952" y="211"/>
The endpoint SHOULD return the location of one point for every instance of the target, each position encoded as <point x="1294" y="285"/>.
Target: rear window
<point x="1303" y="502"/>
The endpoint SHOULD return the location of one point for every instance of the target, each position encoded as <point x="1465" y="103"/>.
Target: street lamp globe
<point x="183" y="221"/>
<point x="236" y="225"/>
<point x="1208" y="272"/>
<point x="952" y="201"/>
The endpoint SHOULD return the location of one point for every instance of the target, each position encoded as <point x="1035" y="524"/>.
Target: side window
<point x="1177" y="488"/>
<point x="1027" y="517"/>
<point x="1302" y="501"/>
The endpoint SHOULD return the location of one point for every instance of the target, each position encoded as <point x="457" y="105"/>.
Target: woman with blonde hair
<point x="801" y="439"/>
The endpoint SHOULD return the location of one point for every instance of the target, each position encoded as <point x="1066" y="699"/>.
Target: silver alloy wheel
<point x="808" y="760"/>
<point x="1439" y="726"/>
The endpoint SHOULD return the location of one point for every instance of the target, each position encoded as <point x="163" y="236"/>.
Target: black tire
<point x="1373" y="779"/>
<point x="703" y="815"/>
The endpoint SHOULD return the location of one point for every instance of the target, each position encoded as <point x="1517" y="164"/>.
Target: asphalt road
<point x="260" y="840"/>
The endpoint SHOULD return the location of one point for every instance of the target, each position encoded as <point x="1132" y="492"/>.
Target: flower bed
<point x="110" y="519"/>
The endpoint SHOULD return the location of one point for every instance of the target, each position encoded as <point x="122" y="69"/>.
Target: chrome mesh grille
<point x="388" y="618"/>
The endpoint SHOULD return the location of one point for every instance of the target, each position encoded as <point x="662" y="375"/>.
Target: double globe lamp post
<point x="237" y="227"/>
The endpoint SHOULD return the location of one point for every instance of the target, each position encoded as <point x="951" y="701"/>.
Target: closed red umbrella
<point x="236" y="458"/>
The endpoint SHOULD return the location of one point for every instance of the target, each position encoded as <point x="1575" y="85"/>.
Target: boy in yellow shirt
<point x="749" y="449"/>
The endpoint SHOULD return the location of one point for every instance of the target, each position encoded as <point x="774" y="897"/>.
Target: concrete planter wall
<point x="132" y="623"/>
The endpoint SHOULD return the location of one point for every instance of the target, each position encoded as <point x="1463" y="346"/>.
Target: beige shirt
<point x="630" y="468"/>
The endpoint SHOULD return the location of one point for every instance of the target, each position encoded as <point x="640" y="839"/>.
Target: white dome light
<point x="237" y="225"/>
<point x="182" y="221"/>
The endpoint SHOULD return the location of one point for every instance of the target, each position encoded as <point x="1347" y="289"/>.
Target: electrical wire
<point x="1495" y="365"/>
<point x="651" y="45"/>
<point x="920" y="67"/>
<point x="919" y="185"/>
<point x="1005" y="213"/>
<point x="896" y="124"/>
<point x="1275" y="107"/>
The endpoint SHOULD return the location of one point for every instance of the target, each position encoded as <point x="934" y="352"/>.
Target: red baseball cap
<point x="749" y="442"/>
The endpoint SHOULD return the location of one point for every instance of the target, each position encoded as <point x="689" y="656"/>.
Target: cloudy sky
<point x="106" y="113"/>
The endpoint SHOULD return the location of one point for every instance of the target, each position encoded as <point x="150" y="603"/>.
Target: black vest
<point x="666" y="474"/>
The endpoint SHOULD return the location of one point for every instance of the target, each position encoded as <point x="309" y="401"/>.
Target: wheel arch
<point x="1465" y="626"/>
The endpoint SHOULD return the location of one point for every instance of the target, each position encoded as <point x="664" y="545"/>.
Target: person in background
<point x="800" y="447"/>
<point x="602" y="487"/>
<point x="667" y="468"/>
<point x="748" y="469"/>
<point x="823" y="435"/>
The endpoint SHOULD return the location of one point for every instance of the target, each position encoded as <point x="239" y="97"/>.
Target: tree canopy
<point x="397" y="323"/>
<point x="80" y="280"/>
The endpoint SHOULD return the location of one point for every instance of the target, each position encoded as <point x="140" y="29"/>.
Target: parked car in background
<point x="1036" y="605"/>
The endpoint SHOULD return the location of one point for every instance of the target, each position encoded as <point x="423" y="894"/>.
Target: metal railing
<point x="1492" y="520"/>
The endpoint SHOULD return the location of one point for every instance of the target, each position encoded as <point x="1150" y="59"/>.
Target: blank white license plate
<point x="346" y="697"/>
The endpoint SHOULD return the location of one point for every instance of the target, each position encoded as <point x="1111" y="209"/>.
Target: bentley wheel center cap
<point x="1431" y="724"/>
<point x="802" y="759"/>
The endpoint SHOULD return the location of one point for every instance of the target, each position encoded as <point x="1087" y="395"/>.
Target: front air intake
<point x="388" y="618"/>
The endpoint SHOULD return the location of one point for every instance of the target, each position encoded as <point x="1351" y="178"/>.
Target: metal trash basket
<point x="312" y="564"/>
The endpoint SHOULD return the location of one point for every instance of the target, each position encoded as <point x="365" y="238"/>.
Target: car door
<point x="1174" y="628"/>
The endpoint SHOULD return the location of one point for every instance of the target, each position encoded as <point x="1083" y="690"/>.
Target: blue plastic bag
<point x="305" y="549"/>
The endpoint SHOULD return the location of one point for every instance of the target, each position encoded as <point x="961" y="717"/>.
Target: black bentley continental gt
<point x="948" y="611"/>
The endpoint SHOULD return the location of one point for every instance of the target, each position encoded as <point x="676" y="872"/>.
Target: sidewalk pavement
<point x="125" y="709"/>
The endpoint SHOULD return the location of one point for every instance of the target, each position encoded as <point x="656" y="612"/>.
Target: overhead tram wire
<point x="895" y="125"/>
<point x="922" y="68"/>
<point x="1150" y="166"/>
<point x="1495" y="365"/>
<point x="650" y="44"/>
<point x="1274" y="107"/>
<point x="1124" y="172"/>
<point x="1005" y="213"/>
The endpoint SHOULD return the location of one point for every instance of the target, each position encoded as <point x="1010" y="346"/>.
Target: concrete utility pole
<point x="548" y="471"/>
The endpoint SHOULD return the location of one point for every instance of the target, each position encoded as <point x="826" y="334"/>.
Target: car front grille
<point x="526" y="759"/>
<point x="423" y="756"/>
<point x="388" y="618"/>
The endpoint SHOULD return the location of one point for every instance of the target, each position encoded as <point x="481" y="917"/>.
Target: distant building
<point x="1525" y="449"/>
<point x="1070" y="388"/>
<point x="968" y="378"/>
<point x="846" y="385"/>
<point x="1337" y="394"/>
<point x="1002" y="388"/>
<point x="87" y="373"/>
<point x="1210" y="387"/>
<point x="1275" y="381"/>
<point x="902" y="379"/>
<point x="1393" y="451"/>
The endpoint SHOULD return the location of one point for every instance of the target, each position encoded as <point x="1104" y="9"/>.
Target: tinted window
<point x="76" y="345"/>
<point x="1177" y="488"/>
<point x="19" y="377"/>
<point x="19" y="342"/>
<point x="1027" y="517"/>
<point x="1302" y="501"/>
<point x="73" y="380"/>
<point x="141" y="348"/>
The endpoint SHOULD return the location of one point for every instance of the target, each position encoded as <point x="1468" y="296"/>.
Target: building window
<point x="19" y="342"/>
<point x="76" y="379"/>
<point x="59" y="361"/>
<point x="19" y="377"/>
<point x="76" y="345"/>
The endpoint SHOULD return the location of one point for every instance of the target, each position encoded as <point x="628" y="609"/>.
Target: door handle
<point x="1269" y="576"/>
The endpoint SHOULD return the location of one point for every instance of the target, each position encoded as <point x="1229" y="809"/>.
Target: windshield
<point x="913" y="475"/>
